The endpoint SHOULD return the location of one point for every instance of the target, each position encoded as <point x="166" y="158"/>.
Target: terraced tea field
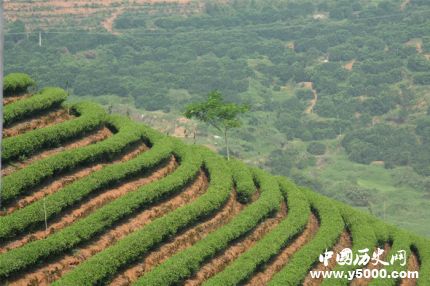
<point x="36" y="14"/>
<point x="90" y="198"/>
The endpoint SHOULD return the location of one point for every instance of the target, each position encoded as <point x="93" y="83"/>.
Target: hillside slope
<point x="351" y="77"/>
<point x="96" y="199"/>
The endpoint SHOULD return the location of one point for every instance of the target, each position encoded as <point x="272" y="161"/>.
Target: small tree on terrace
<point x="217" y="113"/>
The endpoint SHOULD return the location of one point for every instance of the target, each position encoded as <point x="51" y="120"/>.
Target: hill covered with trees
<point x="350" y="75"/>
<point x="91" y="198"/>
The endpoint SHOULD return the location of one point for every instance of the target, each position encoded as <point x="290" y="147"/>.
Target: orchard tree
<point x="217" y="113"/>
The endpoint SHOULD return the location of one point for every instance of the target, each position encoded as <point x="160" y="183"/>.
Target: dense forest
<point x="327" y="81"/>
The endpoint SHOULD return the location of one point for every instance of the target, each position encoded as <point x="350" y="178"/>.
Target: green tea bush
<point x="127" y="134"/>
<point x="104" y="265"/>
<point x="15" y="83"/>
<point x="243" y="180"/>
<point x="183" y="264"/>
<point x="34" y="213"/>
<point x="271" y="244"/>
<point x="423" y="251"/>
<point x="331" y="226"/>
<point x="47" y="98"/>
<point x="103" y="218"/>
<point x="316" y="148"/>
<point x="363" y="236"/>
<point x="92" y="117"/>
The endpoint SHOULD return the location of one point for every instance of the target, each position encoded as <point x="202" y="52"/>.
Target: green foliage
<point x="103" y="265"/>
<point x="334" y="217"/>
<point x="91" y="117"/>
<point x="103" y="218"/>
<point x="362" y="233"/>
<point x="243" y="180"/>
<point x="215" y="112"/>
<point x="423" y="129"/>
<point x="286" y="161"/>
<point x="272" y="243"/>
<point x="422" y="78"/>
<point x="183" y="264"/>
<point x="33" y="214"/>
<point x="331" y="226"/>
<point x="423" y="250"/>
<point x="16" y="83"/>
<point x="155" y="70"/>
<point x="394" y="146"/>
<point x="149" y="68"/>
<point x="418" y="63"/>
<point x="400" y="241"/>
<point x="45" y="99"/>
<point x="128" y="133"/>
<point x="353" y="194"/>
<point x="316" y="148"/>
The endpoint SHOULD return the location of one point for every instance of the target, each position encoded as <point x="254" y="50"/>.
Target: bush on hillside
<point x="316" y="148"/>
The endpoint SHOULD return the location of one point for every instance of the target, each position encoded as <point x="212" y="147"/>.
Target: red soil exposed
<point x="92" y="204"/>
<point x="109" y="22"/>
<point x="312" y="102"/>
<point x="221" y="261"/>
<point x="55" y="184"/>
<point x="404" y="4"/>
<point x="50" y="272"/>
<point x="10" y="99"/>
<point x="62" y="6"/>
<point x="180" y="242"/>
<point x="349" y="65"/>
<point x="413" y="265"/>
<point x="54" y="12"/>
<point x="45" y="120"/>
<point x="343" y="242"/>
<point x="366" y="281"/>
<point x="96" y="136"/>
<point x="283" y="257"/>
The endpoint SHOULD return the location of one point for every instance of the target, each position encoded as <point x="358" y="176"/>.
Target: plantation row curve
<point x="90" y="198"/>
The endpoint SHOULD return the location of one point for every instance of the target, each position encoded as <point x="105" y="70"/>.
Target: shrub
<point x="104" y="217"/>
<point x="92" y="117"/>
<point x="331" y="226"/>
<point x="183" y="264"/>
<point x="47" y="98"/>
<point x="273" y="242"/>
<point x="15" y="83"/>
<point x="103" y="265"/>
<point x="128" y="133"/>
<point x="316" y="148"/>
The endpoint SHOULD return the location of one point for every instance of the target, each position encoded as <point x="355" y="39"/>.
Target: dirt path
<point x="92" y="138"/>
<point x="404" y="4"/>
<point x="313" y="102"/>
<point x="60" y="181"/>
<point x="10" y="99"/>
<point x="366" y="281"/>
<point x="108" y="23"/>
<point x="344" y="242"/>
<point x="37" y="122"/>
<point x="349" y="65"/>
<point x="56" y="10"/>
<point x="180" y="242"/>
<point x="63" y="6"/>
<point x="52" y="271"/>
<point x="413" y="265"/>
<point x="89" y="205"/>
<point x="218" y="263"/>
<point x="417" y="43"/>
<point x="261" y="278"/>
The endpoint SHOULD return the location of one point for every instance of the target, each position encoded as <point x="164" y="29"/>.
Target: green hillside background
<point x="91" y="198"/>
<point x="339" y="90"/>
